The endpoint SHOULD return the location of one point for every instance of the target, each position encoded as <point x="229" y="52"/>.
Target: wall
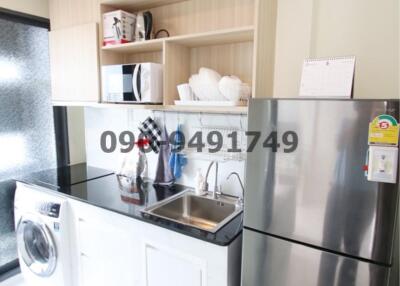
<point x="76" y="134"/>
<point x="368" y="29"/>
<point x="98" y="120"/>
<point x="34" y="7"/>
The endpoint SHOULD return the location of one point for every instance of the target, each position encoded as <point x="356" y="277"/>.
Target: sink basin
<point x="197" y="211"/>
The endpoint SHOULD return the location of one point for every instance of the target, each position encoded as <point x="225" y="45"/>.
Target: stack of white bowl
<point x="208" y="85"/>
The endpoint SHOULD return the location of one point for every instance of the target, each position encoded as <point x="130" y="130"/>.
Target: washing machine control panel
<point x="49" y="209"/>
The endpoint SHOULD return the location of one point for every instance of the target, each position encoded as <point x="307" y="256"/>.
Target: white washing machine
<point x="42" y="228"/>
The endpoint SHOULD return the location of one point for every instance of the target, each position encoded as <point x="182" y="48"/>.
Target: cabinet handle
<point x="81" y="219"/>
<point x="83" y="254"/>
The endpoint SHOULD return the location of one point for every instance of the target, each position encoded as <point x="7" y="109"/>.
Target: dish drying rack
<point x="222" y="155"/>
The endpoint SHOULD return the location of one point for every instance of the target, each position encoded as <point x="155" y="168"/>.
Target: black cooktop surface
<point x="65" y="176"/>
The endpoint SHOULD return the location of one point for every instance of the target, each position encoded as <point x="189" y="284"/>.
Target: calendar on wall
<point x="328" y="77"/>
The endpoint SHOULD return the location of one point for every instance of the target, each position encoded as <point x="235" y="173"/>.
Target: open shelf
<point x="130" y="106"/>
<point x="226" y="36"/>
<point x="205" y="109"/>
<point x="75" y="103"/>
<point x="199" y="38"/>
<point x="183" y="55"/>
<point x="106" y="105"/>
<point x="175" y="108"/>
<point x="136" y="47"/>
<point x="158" y="107"/>
<point x="138" y="4"/>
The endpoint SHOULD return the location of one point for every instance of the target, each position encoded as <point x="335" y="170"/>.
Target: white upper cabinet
<point x="74" y="51"/>
<point x="74" y="63"/>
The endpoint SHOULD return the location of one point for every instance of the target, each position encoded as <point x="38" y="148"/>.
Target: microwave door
<point x="136" y="83"/>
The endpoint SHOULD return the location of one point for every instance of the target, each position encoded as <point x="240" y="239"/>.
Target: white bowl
<point x="209" y="75"/>
<point x="205" y="87"/>
<point x="234" y="89"/>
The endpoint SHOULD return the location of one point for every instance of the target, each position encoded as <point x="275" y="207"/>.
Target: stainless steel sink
<point x="197" y="211"/>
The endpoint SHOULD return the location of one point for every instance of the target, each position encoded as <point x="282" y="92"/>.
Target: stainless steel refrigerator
<point x="311" y="216"/>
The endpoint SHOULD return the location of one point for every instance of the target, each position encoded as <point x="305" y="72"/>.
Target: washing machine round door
<point x="36" y="245"/>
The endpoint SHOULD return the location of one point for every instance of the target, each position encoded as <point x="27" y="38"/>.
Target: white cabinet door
<point x="105" y="247"/>
<point x="105" y="252"/>
<point x="174" y="259"/>
<point x="171" y="268"/>
<point x="74" y="64"/>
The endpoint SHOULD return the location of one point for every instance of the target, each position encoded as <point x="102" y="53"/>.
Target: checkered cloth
<point x="150" y="129"/>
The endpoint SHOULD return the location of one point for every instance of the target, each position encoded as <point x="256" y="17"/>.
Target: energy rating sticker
<point x="384" y="130"/>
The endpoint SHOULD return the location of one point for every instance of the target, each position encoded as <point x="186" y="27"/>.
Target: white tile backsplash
<point x="98" y="120"/>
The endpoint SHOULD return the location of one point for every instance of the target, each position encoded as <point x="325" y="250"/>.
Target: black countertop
<point x="65" y="176"/>
<point x="114" y="193"/>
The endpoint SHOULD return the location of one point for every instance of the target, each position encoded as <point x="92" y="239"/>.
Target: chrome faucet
<point x="240" y="200"/>
<point x="205" y="188"/>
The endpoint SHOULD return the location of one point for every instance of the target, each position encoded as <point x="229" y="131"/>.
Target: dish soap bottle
<point x="199" y="181"/>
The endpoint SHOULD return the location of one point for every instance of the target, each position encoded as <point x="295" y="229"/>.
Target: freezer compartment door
<point x="270" y="261"/>
<point x="311" y="186"/>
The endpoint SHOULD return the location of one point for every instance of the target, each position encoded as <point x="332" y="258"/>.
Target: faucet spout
<point x="215" y="192"/>
<point x="241" y="200"/>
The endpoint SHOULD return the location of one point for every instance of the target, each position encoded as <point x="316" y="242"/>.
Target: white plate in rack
<point x="210" y="103"/>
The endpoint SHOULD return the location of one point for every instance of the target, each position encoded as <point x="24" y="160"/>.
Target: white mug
<point x="185" y="92"/>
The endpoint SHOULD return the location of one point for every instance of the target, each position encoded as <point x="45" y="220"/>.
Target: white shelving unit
<point x="199" y="37"/>
<point x="234" y="37"/>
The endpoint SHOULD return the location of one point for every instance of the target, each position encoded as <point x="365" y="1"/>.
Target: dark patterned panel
<point x="27" y="141"/>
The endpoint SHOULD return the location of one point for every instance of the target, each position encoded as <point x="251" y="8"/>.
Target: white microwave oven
<point x="132" y="83"/>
